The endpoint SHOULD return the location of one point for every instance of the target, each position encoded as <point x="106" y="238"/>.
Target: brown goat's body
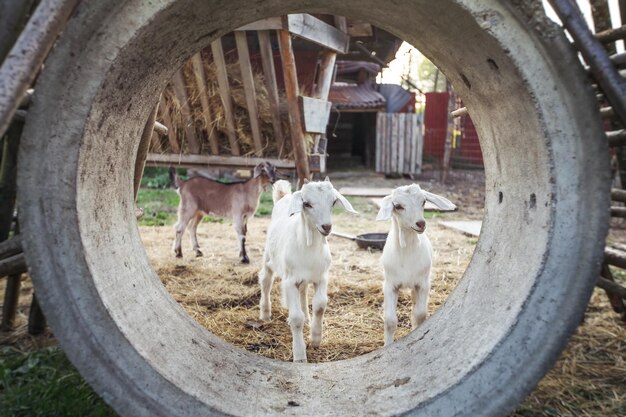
<point x="200" y="196"/>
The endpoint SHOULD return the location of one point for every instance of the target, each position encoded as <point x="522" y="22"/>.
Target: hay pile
<point x="217" y="123"/>
<point x="223" y="295"/>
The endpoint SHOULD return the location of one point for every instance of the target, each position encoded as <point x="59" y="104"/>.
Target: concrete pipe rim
<point x="525" y="290"/>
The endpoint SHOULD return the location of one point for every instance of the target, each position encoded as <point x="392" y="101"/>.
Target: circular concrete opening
<point x="497" y="334"/>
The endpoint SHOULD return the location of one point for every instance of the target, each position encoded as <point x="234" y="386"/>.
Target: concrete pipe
<point x="522" y="295"/>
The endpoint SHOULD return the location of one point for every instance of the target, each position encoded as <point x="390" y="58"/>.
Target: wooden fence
<point x="399" y="143"/>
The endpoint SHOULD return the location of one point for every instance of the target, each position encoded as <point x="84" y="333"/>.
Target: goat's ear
<point x="296" y="203"/>
<point x="257" y="170"/>
<point x="344" y="202"/>
<point x="386" y="208"/>
<point x="441" y="202"/>
<point x="327" y="179"/>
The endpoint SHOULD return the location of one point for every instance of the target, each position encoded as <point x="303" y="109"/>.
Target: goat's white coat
<point x="298" y="253"/>
<point x="407" y="255"/>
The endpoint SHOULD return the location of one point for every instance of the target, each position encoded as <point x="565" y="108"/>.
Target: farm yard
<point x="222" y="295"/>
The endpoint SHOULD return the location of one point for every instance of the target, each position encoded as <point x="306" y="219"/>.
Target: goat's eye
<point x="307" y="204"/>
<point x="398" y="207"/>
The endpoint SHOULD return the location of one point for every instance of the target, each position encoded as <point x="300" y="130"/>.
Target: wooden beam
<point x="198" y="72"/>
<point x="618" y="195"/>
<point x="11" y="247"/>
<point x="167" y="121"/>
<point x="291" y="90"/>
<point x="325" y="74"/>
<point x="269" y="72"/>
<point x="317" y="31"/>
<point x="13" y="265"/>
<point x="191" y="161"/>
<point x="247" y="77"/>
<point x="612" y="287"/>
<point x="616" y="137"/>
<point x="315" y="114"/>
<point x="188" y="125"/>
<point x="160" y="128"/>
<point x="222" y="80"/>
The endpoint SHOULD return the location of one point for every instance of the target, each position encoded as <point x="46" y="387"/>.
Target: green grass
<point x="44" y="383"/>
<point x="160" y="207"/>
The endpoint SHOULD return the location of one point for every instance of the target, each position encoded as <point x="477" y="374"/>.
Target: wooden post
<point x="269" y="72"/>
<point x="198" y="72"/>
<point x="614" y="299"/>
<point x="447" y="151"/>
<point x="291" y="90"/>
<point x="188" y="125"/>
<point x="167" y="121"/>
<point x="144" y="147"/>
<point x="248" y="86"/>
<point x="222" y="80"/>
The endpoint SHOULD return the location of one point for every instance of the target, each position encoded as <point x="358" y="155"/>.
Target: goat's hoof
<point x="179" y="255"/>
<point x="299" y="360"/>
<point x="265" y="316"/>
<point x="245" y="260"/>
<point x="315" y="343"/>
<point x="198" y="254"/>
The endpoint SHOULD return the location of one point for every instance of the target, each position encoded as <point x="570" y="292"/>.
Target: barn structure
<point x="498" y="332"/>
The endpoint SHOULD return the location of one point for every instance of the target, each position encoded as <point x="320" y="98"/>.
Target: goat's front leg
<point x="320" y="300"/>
<point x="304" y="302"/>
<point x="296" y="321"/>
<point x="420" y="304"/>
<point x="390" y="292"/>
<point x="193" y="229"/>
<point x="240" y="223"/>
<point x="266" y="278"/>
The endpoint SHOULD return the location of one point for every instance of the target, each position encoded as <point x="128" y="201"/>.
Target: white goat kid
<point x="407" y="256"/>
<point x="298" y="253"/>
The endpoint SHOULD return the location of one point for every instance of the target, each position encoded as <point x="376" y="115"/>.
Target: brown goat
<point x="200" y="196"/>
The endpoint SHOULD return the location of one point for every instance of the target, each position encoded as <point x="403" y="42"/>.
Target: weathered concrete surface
<point x="480" y="354"/>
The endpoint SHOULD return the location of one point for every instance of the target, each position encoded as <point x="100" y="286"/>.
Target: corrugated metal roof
<point x="353" y="97"/>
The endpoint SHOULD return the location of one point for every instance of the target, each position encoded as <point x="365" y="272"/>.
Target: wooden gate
<point x="399" y="143"/>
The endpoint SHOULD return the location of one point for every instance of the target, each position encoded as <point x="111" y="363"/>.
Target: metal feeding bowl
<point x="371" y="240"/>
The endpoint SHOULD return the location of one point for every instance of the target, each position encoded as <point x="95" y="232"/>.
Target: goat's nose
<point x="327" y="227"/>
<point x="421" y="224"/>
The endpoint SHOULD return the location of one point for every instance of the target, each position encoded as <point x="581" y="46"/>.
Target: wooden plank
<point x="167" y="121"/>
<point x="188" y="124"/>
<point x="393" y="166"/>
<point x="247" y="77"/>
<point x="467" y="227"/>
<point x="360" y="29"/>
<point x="198" y="72"/>
<point x="414" y="144"/>
<point x="317" y="31"/>
<point x="222" y="81"/>
<point x="291" y="90"/>
<point x="272" y="23"/>
<point x="408" y="143"/>
<point x="401" y="132"/>
<point x="386" y="143"/>
<point x="269" y="72"/>
<point x="315" y="114"/>
<point x="378" y="141"/>
<point x="156" y="159"/>
<point x="420" y="143"/>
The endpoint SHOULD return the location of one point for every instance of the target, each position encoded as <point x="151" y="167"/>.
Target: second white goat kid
<point x="298" y="253"/>
<point x="407" y="256"/>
